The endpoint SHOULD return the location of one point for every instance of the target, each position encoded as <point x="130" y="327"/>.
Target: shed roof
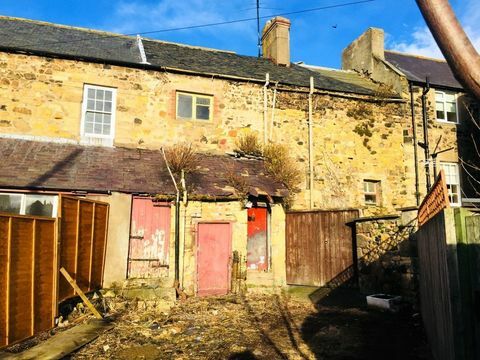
<point x="417" y="68"/>
<point x="48" y="39"/>
<point x="53" y="166"/>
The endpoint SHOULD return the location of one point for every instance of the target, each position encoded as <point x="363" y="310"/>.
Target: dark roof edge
<point x="423" y="83"/>
<point x="144" y="66"/>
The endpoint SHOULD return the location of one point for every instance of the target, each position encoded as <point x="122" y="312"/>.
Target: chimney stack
<point x="276" y="41"/>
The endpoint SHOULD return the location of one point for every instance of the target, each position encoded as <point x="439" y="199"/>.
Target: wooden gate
<point x="319" y="247"/>
<point x="83" y="229"/>
<point x="149" y="239"/>
<point x="28" y="275"/>
<point x="214" y="244"/>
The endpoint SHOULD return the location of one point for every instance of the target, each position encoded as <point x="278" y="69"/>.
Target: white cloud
<point x="423" y="43"/>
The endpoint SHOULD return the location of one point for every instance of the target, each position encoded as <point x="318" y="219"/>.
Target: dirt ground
<point x="261" y="327"/>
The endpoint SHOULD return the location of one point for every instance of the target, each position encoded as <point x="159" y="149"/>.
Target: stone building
<point x="87" y="113"/>
<point x="435" y="98"/>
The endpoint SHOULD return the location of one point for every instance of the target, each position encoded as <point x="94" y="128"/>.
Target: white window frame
<point x="451" y="165"/>
<point x="445" y="121"/>
<point x="23" y="201"/>
<point x="87" y="87"/>
<point x="376" y="192"/>
<point x="194" y="105"/>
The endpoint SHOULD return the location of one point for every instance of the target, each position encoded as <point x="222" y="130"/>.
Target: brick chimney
<point x="276" y="41"/>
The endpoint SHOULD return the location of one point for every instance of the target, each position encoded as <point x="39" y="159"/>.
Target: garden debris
<point x="253" y="326"/>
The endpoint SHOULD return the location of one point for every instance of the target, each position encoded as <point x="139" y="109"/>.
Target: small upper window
<point x="371" y="191"/>
<point x="29" y="204"/>
<point x="194" y="107"/>
<point x="446" y="106"/>
<point x="98" y="112"/>
<point x="452" y="179"/>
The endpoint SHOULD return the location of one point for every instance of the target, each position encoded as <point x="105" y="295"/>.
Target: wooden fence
<point x="83" y="232"/>
<point x="319" y="247"/>
<point x="30" y="259"/>
<point x="28" y="273"/>
<point x="449" y="264"/>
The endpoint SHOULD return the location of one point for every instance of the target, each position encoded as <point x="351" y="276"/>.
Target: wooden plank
<point x="68" y="243"/>
<point x="90" y="260"/>
<point x="32" y="291"/>
<point x="5" y="224"/>
<point x="44" y="270"/>
<point x="99" y="244"/>
<point x="84" y="244"/>
<point x="20" y="303"/>
<point x="64" y="343"/>
<point x="80" y="293"/>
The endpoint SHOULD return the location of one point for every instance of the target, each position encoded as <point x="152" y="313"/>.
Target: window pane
<point x="370" y="199"/>
<point x="203" y="101"/>
<point x="107" y="119"/>
<point x="449" y="97"/>
<point x="108" y="95"/>
<point x="108" y="106"/>
<point x="99" y="105"/>
<point x="91" y="93"/>
<point x="99" y="94"/>
<point x="184" y="106"/>
<point x="106" y="129"/>
<point x="439" y="106"/>
<point x="203" y="112"/>
<point x="439" y="96"/>
<point x="39" y="205"/>
<point x="90" y="105"/>
<point x="10" y="203"/>
<point x="88" y="127"/>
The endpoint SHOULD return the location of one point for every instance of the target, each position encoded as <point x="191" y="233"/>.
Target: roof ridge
<point x="109" y="33"/>
<point x="417" y="56"/>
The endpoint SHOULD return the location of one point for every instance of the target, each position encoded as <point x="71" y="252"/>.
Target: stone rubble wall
<point x="386" y="251"/>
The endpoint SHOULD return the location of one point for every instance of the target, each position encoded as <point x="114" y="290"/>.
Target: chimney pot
<point x="276" y="41"/>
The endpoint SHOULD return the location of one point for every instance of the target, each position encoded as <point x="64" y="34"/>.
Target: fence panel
<point x="319" y="247"/>
<point x="83" y="243"/>
<point x="27" y="276"/>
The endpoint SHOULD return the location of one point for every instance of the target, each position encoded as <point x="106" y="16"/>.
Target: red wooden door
<point x="257" y="245"/>
<point x="149" y="239"/>
<point x="213" y="257"/>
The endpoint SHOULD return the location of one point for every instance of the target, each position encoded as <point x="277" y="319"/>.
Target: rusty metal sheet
<point x="319" y="247"/>
<point x="149" y="239"/>
<point x="435" y="201"/>
<point x="257" y="243"/>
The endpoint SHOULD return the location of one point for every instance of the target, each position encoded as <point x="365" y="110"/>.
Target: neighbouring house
<point x="436" y="99"/>
<point x="86" y="113"/>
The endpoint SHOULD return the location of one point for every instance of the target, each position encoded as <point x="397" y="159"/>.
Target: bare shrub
<point x="249" y="144"/>
<point x="237" y="181"/>
<point x="181" y="157"/>
<point x="282" y="167"/>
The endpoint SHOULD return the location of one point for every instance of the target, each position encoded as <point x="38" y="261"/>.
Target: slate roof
<point x="416" y="69"/>
<point x="62" y="41"/>
<point x="53" y="166"/>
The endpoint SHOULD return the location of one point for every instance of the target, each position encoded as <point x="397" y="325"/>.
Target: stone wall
<point x="387" y="255"/>
<point x="355" y="137"/>
<point x="234" y="212"/>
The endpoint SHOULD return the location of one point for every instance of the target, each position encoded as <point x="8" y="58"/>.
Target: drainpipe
<point x="415" y="149"/>
<point x="310" y="141"/>
<point x="265" y="109"/>
<point x="177" y="224"/>
<point x="425" y="91"/>
<point x="273" y="111"/>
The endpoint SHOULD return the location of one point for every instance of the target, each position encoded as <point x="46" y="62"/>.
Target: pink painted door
<point x="213" y="258"/>
<point x="149" y="239"/>
<point x="257" y="245"/>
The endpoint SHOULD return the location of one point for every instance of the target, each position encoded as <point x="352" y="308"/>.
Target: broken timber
<point x="80" y="293"/>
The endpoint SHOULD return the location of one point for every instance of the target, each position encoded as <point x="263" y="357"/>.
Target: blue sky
<point x="317" y="37"/>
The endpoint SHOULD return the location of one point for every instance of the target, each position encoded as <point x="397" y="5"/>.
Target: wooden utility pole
<point x="453" y="42"/>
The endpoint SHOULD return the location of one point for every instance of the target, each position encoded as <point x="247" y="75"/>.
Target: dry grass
<point x="249" y="144"/>
<point x="181" y="157"/>
<point x="237" y="181"/>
